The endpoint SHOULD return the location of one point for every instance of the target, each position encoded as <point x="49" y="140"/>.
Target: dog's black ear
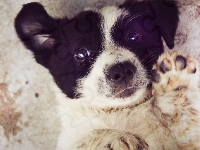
<point x="34" y="27"/>
<point x="167" y="18"/>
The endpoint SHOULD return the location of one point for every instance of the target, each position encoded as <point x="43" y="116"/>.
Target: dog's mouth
<point x="127" y="92"/>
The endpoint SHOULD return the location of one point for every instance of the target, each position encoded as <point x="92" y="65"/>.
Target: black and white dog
<point x="69" y="48"/>
<point x="102" y="57"/>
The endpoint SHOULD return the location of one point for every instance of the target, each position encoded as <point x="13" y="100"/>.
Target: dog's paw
<point x="174" y="72"/>
<point x="175" y="79"/>
<point x="126" y="142"/>
<point x="107" y="139"/>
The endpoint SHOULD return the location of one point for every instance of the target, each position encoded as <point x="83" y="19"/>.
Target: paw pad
<point x="173" y="72"/>
<point x="180" y="62"/>
<point x="165" y="65"/>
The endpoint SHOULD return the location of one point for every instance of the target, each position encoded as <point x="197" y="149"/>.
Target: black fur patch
<point x="142" y="29"/>
<point x="70" y="48"/>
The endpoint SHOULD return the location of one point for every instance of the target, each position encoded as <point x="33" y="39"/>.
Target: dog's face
<point x="107" y="52"/>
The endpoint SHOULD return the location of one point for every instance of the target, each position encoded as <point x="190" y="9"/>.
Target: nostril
<point x="129" y="73"/>
<point x="115" y="73"/>
<point x="116" y="77"/>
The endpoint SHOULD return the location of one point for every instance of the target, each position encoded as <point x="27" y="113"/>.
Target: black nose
<point x="121" y="72"/>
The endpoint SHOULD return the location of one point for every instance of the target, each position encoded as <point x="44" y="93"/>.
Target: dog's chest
<point x="79" y="123"/>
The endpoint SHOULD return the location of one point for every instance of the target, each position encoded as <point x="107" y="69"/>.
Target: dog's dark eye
<point x="133" y="37"/>
<point x="81" y="54"/>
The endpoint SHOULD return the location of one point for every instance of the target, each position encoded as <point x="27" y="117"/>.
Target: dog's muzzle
<point x="120" y="77"/>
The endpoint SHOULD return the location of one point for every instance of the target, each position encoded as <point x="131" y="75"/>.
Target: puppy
<point x="102" y="57"/>
<point x="68" y="48"/>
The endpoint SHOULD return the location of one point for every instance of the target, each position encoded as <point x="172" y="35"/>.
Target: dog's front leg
<point x="110" y="139"/>
<point x="176" y="88"/>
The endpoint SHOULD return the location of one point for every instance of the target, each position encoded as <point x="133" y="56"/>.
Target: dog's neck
<point x="148" y="99"/>
<point x="102" y="105"/>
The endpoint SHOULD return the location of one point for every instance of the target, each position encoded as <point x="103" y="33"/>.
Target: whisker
<point x="135" y="50"/>
<point x="153" y="55"/>
<point x="121" y="91"/>
<point x="131" y="18"/>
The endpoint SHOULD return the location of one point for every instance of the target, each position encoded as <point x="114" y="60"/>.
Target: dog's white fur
<point x="42" y="119"/>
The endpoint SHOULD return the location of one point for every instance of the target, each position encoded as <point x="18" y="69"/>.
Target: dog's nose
<point x="121" y="72"/>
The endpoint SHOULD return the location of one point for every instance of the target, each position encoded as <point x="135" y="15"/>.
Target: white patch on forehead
<point x="110" y="14"/>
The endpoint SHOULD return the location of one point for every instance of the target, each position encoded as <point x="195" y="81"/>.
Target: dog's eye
<point x="81" y="54"/>
<point x="133" y="37"/>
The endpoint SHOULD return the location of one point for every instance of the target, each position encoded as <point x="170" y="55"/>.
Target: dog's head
<point x="109" y="51"/>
